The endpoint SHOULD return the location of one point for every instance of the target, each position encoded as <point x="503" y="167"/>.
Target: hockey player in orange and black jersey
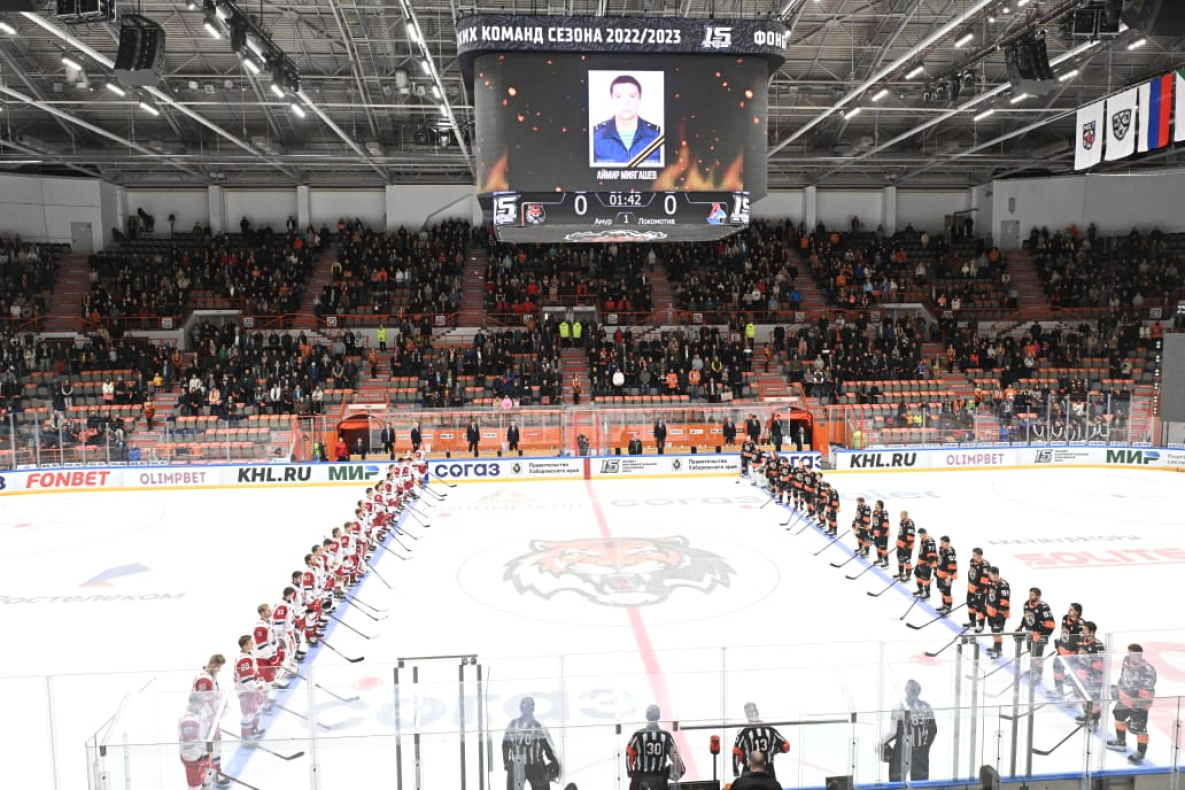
<point x="810" y="492"/>
<point x="748" y="456"/>
<point x="785" y="481"/>
<point x="799" y="483"/>
<point x="947" y="571"/>
<point x="906" y="534"/>
<point x="1090" y="664"/>
<point x="977" y="582"/>
<point x="1136" y="690"/>
<point x="832" y="507"/>
<point x="998" y="602"/>
<point x="1068" y="641"/>
<point x="880" y="533"/>
<point x="927" y="563"/>
<point x="1037" y="620"/>
<point x="861" y="526"/>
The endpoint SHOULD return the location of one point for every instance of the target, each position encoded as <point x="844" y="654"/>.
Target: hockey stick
<point x="343" y="655"/>
<point x="892" y="584"/>
<point x="240" y="781"/>
<point x="389" y="551"/>
<point x="368" y="614"/>
<point x="327" y="691"/>
<point x="867" y="568"/>
<point x="771" y="499"/>
<point x="794" y="514"/>
<point x="322" y="725"/>
<point x="1052" y="749"/>
<point x="262" y="748"/>
<point x="371" y="607"/>
<point x="948" y="644"/>
<point x="845" y="562"/>
<point x="379" y="576"/>
<point x="352" y="628"/>
<point x="830" y="543"/>
<point x="416" y="515"/>
<point x="439" y="496"/>
<point x="942" y="616"/>
<point x="402" y="545"/>
<point x="447" y="483"/>
<point x="902" y="617"/>
<point x="807" y="523"/>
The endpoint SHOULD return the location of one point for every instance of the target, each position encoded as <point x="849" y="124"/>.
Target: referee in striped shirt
<point x="651" y="759"/>
<point x="757" y="738"/>
<point x="528" y="752"/>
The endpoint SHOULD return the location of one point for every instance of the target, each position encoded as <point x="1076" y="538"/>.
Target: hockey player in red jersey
<point x="298" y="616"/>
<point x="249" y="685"/>
<point x="192" y="737"/>
<point x="205" y="686"/>
<point x="266" y="646"/>
<point x="284" y="631"/>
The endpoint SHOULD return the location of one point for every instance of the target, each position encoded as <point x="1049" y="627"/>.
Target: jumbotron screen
<point x="560" y="122"/>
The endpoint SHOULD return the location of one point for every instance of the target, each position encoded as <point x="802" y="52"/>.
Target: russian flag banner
<point x="1156" y="111"/>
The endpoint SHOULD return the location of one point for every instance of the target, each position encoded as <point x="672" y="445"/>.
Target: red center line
<point x="658" y="681"/>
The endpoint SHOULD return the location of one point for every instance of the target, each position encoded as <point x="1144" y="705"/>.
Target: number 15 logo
<point x="717" y="37"/>
<point x="505" y="209"/>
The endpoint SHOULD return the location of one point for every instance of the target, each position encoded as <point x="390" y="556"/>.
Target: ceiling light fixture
<point x="118" y="91"/>
<point x="916" y="72"/>
<point x="1069" y="75"/>
<point x="964" y="40"/>
<point x="1137" y="44"/>
<point x="882" y="93"/>
<point x="276" y="89"/>
<point x="985" y="114"/>
<point x="7" y="29"/>
<point x="71" y="63"/>
<point x="1018" y="99"/>
<point x="148" y="108"/>
<point x="297" y="110"/>
<point x="211" y="27"/>
<point x="852" y="113"/>
<point x="250" y="65"/>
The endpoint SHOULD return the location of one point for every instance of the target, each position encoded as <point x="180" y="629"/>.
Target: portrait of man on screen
<point x="631" y="137"/>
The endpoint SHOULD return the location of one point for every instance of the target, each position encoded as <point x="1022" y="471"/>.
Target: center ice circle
<point x="673" y="578"/>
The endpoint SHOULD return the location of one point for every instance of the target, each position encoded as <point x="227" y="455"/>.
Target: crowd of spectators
<point x="701" y="363"/>
<point x="861" y="270"/>
<point x="520" y="279"/>
<point x="400" y="273"/>
<point x="521" y="363"/>
<point x="1083" y="270"/>
<point x="755" y="270"/>
<point x="265" y="272"/>
<point x="27" y="274"/>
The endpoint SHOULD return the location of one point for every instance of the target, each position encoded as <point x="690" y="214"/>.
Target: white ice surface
<point x="777" y="625"/>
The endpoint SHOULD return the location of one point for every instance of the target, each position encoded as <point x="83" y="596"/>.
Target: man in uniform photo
<point x="626" y="136"/>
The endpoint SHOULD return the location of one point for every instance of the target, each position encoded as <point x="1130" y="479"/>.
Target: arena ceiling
<point x="373" y="118"/>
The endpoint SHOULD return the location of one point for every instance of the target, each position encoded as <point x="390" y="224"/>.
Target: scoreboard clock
<point x="619" y="128"/>
<point x="618" y="216"/>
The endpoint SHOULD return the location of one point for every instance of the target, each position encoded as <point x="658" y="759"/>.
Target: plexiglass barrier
<point x="443" y="722"/>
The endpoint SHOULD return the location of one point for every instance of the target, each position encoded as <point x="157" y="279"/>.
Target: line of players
<point x="989" y="596"/>
<point x="268" y="657"/>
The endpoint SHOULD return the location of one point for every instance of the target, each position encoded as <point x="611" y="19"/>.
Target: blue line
<point x="1011" y="668"/>
<point x="238" y="763"/>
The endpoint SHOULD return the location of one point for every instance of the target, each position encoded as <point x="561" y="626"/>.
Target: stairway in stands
<point x="473" y="293"/>
<point x="144" y="439"/>
<point x="575" y="363"/>
<point x="1031" y="296"/>
<point x="322" y="276"/>
<point x="661" y="295"/>
<point x="812" y="297"/>
<point x="65" y="305"/>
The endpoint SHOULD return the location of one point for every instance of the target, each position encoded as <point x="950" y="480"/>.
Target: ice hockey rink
<point x="595" y="597"/>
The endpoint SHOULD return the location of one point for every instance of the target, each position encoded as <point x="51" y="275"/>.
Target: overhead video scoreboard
<point x="619" y="129"/>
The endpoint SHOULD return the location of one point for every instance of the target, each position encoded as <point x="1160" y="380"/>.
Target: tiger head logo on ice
<point x="617" y="571"/>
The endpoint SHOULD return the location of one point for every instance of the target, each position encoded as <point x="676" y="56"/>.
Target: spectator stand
<point x="378" y="277"/>
<point x="150" y="283"/>
<point x="28" y="273"/>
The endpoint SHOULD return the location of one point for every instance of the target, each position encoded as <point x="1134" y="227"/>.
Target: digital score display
<point x="618" y="216"/>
